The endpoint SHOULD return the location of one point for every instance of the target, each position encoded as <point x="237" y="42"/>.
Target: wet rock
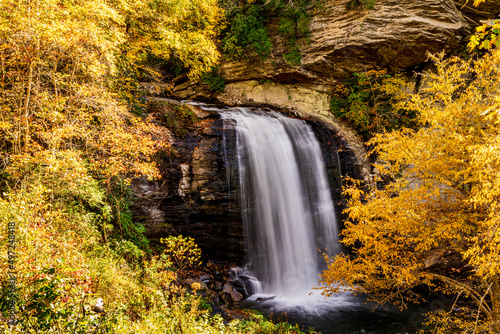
<point x="240" y="283"/>
<point x="265" y="299"/>
<point x="194" y="197"/>
<point x="234" y="291"/>
<point x="447" y="263"/>
<point x="249" y="285"/>
<point x="230" y="294"/>
<point x="218" y="286"/>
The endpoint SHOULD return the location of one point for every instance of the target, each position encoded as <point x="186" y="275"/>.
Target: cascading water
<point x="289" y="218"/>
<point x="288" y="212"/>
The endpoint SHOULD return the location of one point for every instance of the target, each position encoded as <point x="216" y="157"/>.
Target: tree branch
<point x="479" y="308"/>
<point x="463" y="287"/>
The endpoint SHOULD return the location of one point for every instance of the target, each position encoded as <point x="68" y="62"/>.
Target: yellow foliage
<point x="184" y="28"/>
<point x="444" y="199"/>
<point x="487" y="35"/>
<point x="182" y="251"/>
<point x="65" y="132"/>
<point x="56" y="61"/>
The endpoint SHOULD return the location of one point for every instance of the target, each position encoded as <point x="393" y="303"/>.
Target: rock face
<point x="198" y="195"/>
<point x="199" y="200"/>
<point x="487" y="10"/>
<point x="194" y="197"/>
<point x="294" y="97"/>
<point x="395" y="34"/>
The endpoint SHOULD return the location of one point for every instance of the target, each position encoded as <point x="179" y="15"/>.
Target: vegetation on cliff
<point x="246" y="35"/>
<point x="367" y="101"/>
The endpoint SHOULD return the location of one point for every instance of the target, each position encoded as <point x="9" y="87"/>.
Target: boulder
<point x="394" y="34"/>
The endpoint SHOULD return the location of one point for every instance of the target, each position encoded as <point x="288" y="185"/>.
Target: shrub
<point x="293" y="25"/>
<point x="246" y="36"/>
<point x="128" y="235"/>
<point x="183" y="251"/>
<point x="215" y="81"/>
<point x="367" y="101"/>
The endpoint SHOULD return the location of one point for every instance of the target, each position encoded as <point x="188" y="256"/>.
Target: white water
<point x="288" y="212"/>
<point x="288" y="215"/>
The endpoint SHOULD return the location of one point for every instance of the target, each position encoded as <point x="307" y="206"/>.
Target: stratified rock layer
<point x="394" y="34"/>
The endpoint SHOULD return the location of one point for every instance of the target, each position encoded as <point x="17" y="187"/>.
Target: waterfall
<point x="276" y="165"/>
<point x="287" y="209"/>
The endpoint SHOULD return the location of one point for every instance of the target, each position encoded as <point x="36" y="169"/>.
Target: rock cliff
<point x="199" y="200"/>
<point x="395" y="34"/>
<point x="194" y="197"/>
<point x="198" y="194"/>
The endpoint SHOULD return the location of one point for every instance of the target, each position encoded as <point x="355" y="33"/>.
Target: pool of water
<point x="340" y="314"/>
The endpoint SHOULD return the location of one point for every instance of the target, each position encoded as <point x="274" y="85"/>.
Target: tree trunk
<point x="495" y="307"/>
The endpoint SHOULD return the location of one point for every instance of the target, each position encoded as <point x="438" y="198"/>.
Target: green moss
<point x="214" y="80"/>
<point x="356" y="4"/>
<point x="293" y="25"/>
<point x="247" y="37"/>
<point x="178" y="118"/>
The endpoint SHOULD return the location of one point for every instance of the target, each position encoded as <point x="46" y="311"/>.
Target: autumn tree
<point x="66" y="133"/>
<point x="59" y="61"/>
<point x="444" y="199"/>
